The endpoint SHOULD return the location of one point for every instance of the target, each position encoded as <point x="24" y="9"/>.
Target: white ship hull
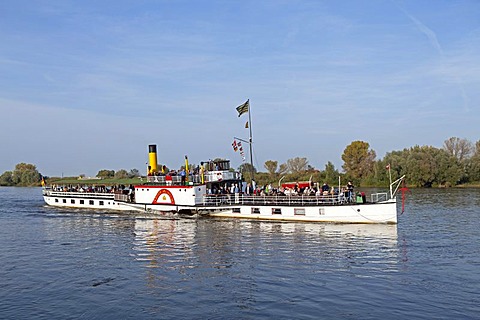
<point x="87" y="201"/>
<point x="246" y="207"/>
<point x="362" y="213"/>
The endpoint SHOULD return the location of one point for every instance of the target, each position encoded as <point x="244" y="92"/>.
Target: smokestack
<point x="186" y="168"/>
<point x="152" y="157"/>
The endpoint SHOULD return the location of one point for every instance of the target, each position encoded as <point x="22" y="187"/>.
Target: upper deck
<point x="208" y="177"/>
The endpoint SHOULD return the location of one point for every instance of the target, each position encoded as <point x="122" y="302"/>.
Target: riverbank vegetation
<point x="457" y="163"/>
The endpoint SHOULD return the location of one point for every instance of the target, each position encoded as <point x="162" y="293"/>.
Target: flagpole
<point x="390" y="177"/>
<point x="250" y="128"/>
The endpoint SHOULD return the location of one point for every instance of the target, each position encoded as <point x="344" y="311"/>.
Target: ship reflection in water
<point x="205" y="249"/>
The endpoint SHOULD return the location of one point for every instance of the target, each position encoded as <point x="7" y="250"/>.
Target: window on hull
<point x="299" y="211"/>
<point x="276" y="211"/>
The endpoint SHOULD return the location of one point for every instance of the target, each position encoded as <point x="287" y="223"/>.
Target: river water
<point x="77" y="264"/>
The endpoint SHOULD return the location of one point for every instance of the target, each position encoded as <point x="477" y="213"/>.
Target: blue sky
<point x="87" y="85"/>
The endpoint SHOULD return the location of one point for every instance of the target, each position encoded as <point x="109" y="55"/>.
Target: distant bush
<point x="106" y="173"/>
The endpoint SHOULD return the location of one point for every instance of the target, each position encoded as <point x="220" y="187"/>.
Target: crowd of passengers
<point x="93" y="188"/>
<point x="267" y="190"/>
<point x="181" y="172"/>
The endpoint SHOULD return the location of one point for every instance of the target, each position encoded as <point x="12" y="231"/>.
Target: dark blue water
<point x="74" y="264"/>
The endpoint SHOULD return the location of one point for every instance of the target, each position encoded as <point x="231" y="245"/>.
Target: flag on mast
<point x="243" y="108"/>
<point x="234" y="145"/>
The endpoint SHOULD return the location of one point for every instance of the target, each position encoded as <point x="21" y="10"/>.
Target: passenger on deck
<point x="350" y="186"/>
<point x="248" y="190"/>
<point x="268" y="188"/>
<point x="350" y="194"/>
<point x="131" y="192"/>
<point x="183" y="175"/>
<point x="325" y="188"/>
<point x="333" y="191"/>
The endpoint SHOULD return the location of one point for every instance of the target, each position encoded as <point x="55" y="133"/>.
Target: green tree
<point x="26" y="174"/>
<point x="246" y="170"/>
<point x="450" y="170"/>
<point x="421" y="166"/>
<point x="271" y="167"/>
<point x="331" y="174"/>
<point x="106" y="173"/>
<point x="283" y="169"/>
<point x="428" y="166"/>
<point x="358" y="160"/>
<point x="121" y="174"/>
<point x="459" y="148"/>
<point x="397" y="160"/>
<point x="134" y="173"/>
<point x="6" y="179"/>
<point x="246" y="167"/>
<point x="297" y="165"/>
<point x="476" y="149"/>
<point x="473" y="168"/>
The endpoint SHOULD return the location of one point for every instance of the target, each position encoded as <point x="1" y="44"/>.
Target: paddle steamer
<point x="207" y="193"/>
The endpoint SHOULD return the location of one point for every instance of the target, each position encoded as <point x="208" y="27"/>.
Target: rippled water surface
<point x="76" y="264"/>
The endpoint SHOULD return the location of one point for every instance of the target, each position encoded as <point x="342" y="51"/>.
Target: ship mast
<point x="241" y="109"/>
<point x="250" y="138"/>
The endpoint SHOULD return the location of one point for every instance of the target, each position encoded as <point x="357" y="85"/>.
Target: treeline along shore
<point x="456" y="164"/>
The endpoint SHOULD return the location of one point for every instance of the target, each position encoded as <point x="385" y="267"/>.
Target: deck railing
<point x="78" y="194"/>
<point x="241" y="199"/>
<point x="379" y="197"/>
<point x="211" y="176"/>
<point x="235" y="199"/>
<point x="289" y="200"/>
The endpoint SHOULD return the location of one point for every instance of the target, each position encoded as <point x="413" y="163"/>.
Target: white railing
<point x="232" y="199"/>
<point x="288" y="200"/>
<point x="211" y="176"/>
<point x="166" y="180"/>
<point x="122" y="197"/>
<point x="379" y="197"/>
<point x="79" y="194"/>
